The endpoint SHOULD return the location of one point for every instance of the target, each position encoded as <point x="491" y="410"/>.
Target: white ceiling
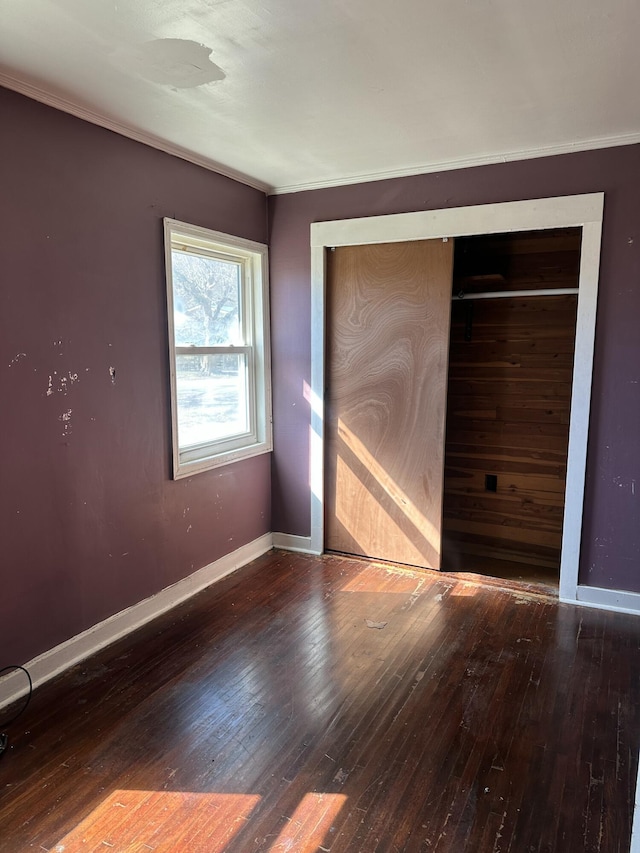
<point x="290" y="94"/>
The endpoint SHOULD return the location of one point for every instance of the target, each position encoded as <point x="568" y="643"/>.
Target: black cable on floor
<point x="4" y="737"/>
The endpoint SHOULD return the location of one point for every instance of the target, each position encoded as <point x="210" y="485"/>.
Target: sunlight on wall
<point x="316" y="462"/>
<point x="312" y="398"/>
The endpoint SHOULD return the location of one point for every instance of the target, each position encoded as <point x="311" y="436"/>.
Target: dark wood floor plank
<point x="266" y="714"/>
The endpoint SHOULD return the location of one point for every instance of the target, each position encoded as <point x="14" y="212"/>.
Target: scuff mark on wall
<point x="65" y="417"/>
<point x="112" y="374"/>
<point x="63" y="382"/>
<point x="17" y="358"/>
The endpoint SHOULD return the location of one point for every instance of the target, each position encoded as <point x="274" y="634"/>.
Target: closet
<point x="513" y="324"/>
<point x="448" y="387"/>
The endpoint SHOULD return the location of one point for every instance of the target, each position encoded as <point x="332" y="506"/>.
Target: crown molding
<point x="465" y="163"/>
<point x="68" y="106"/>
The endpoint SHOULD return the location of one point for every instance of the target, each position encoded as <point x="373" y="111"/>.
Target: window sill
<point x="188" y="469"/>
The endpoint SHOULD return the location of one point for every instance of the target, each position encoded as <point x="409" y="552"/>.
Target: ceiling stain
<point x="179" y="63"/>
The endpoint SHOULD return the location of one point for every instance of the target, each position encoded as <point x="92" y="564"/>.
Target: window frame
<point x="254" y="295"/>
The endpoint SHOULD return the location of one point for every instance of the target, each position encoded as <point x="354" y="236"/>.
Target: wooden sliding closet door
<point x="388" y="315"/>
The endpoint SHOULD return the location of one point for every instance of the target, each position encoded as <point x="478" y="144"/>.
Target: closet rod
<point x="502" y="294"/>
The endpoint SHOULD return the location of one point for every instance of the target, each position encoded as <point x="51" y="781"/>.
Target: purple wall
<point x="611" y="534"/>
<point x="91" y="521"/>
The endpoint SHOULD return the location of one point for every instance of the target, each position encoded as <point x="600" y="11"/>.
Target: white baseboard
<point x="608" y="599"/>
<point x="54" y="661"/>
<point x="635" y="824"/>
<point x="49" y="664"/>
<point x="289" y="542"/>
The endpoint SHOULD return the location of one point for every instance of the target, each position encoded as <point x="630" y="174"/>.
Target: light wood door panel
<point x="388" y="315"/>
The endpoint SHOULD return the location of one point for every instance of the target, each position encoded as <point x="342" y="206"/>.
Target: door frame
<point x="585" y="211"/>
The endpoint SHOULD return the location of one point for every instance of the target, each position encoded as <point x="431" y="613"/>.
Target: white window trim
<point x="259" y="439"/>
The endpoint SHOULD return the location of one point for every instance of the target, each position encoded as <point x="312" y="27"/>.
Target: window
<point x="217" y="297"/>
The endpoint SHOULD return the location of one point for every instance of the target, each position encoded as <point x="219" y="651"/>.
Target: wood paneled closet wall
<point x="508" y="400"/>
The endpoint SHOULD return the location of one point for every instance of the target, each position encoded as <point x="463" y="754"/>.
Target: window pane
<point x="206" y="301"/>
<point x="211" y="397"/>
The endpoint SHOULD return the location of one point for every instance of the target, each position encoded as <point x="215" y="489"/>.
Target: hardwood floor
<point x="508" y="570"/>
<point x="332" y="704"/>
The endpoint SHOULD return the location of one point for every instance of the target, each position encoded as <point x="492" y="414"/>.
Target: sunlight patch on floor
<point x="162" y="821"/>
<point x="309" y="824"/>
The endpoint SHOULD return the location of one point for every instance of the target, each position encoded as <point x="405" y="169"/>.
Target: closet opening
<point x="511" y="357"/>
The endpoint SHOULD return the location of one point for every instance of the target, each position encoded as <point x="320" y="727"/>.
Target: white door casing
<point x="584" y="211"/>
